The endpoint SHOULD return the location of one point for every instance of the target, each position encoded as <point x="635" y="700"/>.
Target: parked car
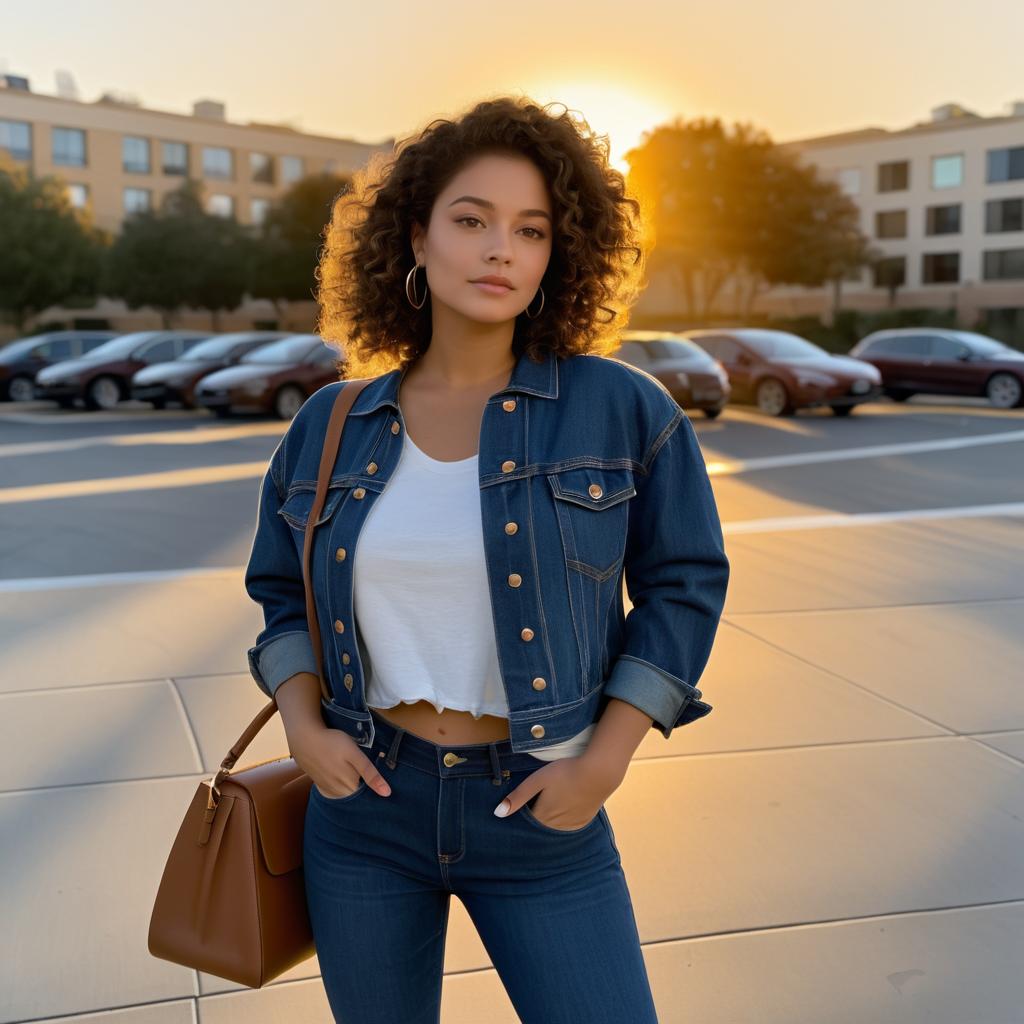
<point x="101" y="378"/>
<point x="175" y="381"/>
<point x="275" y="378"/>
<point x="943" y="361"/>
<point x="781" y="372"/>
<point x="694" y="379"/>
<point x="23" y="358"/>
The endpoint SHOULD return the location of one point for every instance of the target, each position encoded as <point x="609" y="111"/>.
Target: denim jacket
<point x="588" y="469"/>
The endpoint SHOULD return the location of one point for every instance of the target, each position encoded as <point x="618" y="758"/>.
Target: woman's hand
<point x="334" y="761"/>
<point x="572" y="789"/>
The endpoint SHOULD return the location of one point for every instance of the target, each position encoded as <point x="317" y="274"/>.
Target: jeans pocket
<point x="341" y="799"/>
<point x="528" y="814"/>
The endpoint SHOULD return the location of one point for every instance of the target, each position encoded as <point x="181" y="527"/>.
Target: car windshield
<point x="215" y="347"/>
<point x="676" y="348"/>
<point x="119" y="346"/>
<point x="21" y="346"/>
<point x="982" y="344"/>
<point x="287" y="350"/>
<point x="780" y="345"/>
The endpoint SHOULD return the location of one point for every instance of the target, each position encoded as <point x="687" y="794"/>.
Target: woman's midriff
<point x="450" y="726"/>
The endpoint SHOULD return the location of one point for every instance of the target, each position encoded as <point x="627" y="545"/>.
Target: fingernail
<point x="385" y="790"/>
<point x="502" y="809"/>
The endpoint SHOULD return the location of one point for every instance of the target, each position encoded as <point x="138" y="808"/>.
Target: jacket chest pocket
<point x="592" y="505"/>
<point x="296" y="507"/>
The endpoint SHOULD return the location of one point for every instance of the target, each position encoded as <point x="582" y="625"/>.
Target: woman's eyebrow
<point x="490" y="206"/>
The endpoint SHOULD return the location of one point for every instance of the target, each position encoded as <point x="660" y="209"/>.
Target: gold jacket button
<point x="595" y="490"/>
<point x="345" y="657"/>
<point x="539" y="683"/>
<point x="511" y="528"/>
<point x="339" y="626"/>
<point x="526" y="633"/>
<point x="537" y="730"/>
<point x="371" y="468"/>
<point x="509" y="404"/>
<point x="348" y="680"/>
<point x="339" y="555"/>
<point x="395" y="428"/>
<point x="359" y="492"/>
<point x="507" y="466"/>
<point x="514" y="579"/>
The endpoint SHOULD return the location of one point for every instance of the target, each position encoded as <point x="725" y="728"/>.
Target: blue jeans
<point x="551" y="906"/>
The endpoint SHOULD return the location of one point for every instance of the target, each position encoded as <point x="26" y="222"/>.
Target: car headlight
<point x="683" y="378"/>
<point x="814" y="379"/>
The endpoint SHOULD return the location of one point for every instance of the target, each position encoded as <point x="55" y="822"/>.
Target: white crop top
<point x="421" y="596"/>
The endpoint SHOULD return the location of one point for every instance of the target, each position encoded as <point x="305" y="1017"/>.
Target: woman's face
<point x="503" y="229"/>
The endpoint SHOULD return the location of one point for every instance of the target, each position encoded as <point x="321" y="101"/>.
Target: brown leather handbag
<point x="232" y="900"/>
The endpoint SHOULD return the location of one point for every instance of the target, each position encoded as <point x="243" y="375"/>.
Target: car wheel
<point x="898" y="394"/>
<point x="842" y="410"/>
<point x="288" y="401"/>
<point x="103" y="393"/>
<point x="1004" y="390"/>
<point x="21" y="389"/>
<point x="158" y="403"/>
<point x="773" y="398"/>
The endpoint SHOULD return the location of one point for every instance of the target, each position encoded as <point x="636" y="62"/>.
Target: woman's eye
<point x="536" y="232"/>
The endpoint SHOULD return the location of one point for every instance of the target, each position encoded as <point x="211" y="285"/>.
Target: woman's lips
<point x="491" y="289"/>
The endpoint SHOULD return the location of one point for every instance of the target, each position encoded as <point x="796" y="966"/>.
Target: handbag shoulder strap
<point x="332" y="440"/>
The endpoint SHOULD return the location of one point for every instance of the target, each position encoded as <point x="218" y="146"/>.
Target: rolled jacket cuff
<point x="652" y="690"/>
<point x="281" y="657"/>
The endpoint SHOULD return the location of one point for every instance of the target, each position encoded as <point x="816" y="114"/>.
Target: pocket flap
<point x="593" y="487"/>
<point x="296" y="506"/>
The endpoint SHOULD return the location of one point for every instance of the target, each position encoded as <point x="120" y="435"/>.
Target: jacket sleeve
<point x="273" y="579"/>
<point x="676" y="577"/>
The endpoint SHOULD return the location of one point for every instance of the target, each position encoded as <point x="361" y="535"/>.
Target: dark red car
<point x="781" y="372"/>
<point x="943" y="361"/>
<point x="275" y="378"/>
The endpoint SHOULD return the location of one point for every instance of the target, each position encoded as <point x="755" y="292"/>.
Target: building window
<point x="174" y="158"/>
<point x="137" y="200"/>
<point x="849" y="180"/>
<point x="891" y="224"/>
<point x="894" y="177"/>
<point x="1005" y="323"/>
<point x="135" y="155"/>
<point x="890" y="272"/>
<point x="221" y="205"/>
<point x="940" y="267"/>
<point x="1006" y="164"/>
<point x="948" y="171"/>
<point x="291" y="169"/>
<point x="69" y="147"/>
<point x="258" y="209"/>
<point x="1004" y="215"/>
<point x="261" y="168"/>
<point x="78" y="195"/>
<point x="217" y="163"/>
<point x="1003" y="264"/>
<point x="942" y="220"/>
<point x="16" y="139"/>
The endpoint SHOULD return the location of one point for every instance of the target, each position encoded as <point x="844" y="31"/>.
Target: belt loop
<point x="495" y="763"/>
<point x="393" y="749"/>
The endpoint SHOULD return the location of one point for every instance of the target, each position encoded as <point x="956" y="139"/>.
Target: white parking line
<point x="830" y="520"/>
<point x="721" y="467"/>
<point x="115" y="579"/>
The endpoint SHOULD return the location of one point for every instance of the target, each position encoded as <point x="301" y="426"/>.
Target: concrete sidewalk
<point x="841" y="840"/>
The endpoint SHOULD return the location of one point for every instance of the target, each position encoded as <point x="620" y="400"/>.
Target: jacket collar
<point x="539" y="379"/>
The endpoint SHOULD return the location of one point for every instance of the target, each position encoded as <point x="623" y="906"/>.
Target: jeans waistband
<point x="494" y="758"/>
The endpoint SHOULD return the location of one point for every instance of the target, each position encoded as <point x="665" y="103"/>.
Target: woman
<point x="499" y="474"/>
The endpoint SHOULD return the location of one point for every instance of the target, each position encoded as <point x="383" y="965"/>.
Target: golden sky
<point x="373" y="70"/>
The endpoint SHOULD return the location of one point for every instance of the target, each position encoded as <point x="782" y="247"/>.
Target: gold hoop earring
<point x="410" y="288"/>
<point x="533" y="316"/>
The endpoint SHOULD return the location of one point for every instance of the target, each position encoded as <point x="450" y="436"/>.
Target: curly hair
<point x="596" y="254"/>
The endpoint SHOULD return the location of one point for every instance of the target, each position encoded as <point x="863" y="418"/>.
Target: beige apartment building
<point x="117" y="156"/>
<point x="943" y="201"/>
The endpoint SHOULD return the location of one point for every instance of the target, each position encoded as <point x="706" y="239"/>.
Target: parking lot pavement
<point x="839" y="841"/>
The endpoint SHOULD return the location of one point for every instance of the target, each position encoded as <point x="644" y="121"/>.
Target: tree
<point x="180" y="255"/>
<point x="288" y="241"/>
<point x="49" y="252"/>
<point x="735" y="209"/>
